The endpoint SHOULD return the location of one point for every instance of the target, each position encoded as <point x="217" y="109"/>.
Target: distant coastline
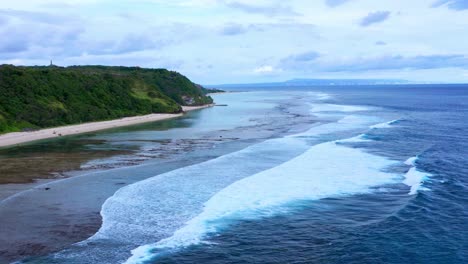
<point x="17" y="138"/>
<point x="312" y="82"/>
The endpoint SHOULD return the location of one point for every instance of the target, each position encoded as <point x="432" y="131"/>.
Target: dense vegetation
<point x="38" y="97"/>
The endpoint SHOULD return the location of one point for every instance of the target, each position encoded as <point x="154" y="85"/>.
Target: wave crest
<point x="325" y="170"/>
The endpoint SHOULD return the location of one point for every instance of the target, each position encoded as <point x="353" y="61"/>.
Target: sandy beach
<point x="16" y="138"/>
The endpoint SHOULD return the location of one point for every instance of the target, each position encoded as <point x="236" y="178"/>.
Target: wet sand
<point x="54" y="215"/>
<point x="49" y="160"/>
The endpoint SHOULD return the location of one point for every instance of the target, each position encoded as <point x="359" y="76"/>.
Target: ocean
<point x="352" y="174"/>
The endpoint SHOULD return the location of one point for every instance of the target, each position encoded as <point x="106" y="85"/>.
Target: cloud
<point x="39" y="41"/>
<point x="304" y="57"/>
<point x="29" y="34"/>
<point x="300" y="61"/>
<point x="314" y="62"/>
<point x="334" y="3"/>
<point x="40" y="17"/>
<point x="275" y="9"/>
<point x="11" y="45"/>
<point x="129" y="43"/>
<point x="396" y="63"/>
<point x="3" y="20"/>
<point x="452" y="4"/>
<point x="239" y="37"/>
<point x="231" y="29"/>
<point x="34" y="39"/>
<point x="264" y="69"/>
<point x="137" y="42"/>
<point x="374" y="17"/>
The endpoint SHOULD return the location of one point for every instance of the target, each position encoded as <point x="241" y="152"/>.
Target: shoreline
<point x="17" y="138"/>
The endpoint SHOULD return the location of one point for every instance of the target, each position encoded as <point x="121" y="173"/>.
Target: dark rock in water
<point x="47" y="188"/>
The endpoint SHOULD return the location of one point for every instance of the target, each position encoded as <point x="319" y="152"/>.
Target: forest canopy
<point x="38" y="97"/>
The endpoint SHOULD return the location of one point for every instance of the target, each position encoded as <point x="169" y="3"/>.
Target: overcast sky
<point x="236" y="41"/>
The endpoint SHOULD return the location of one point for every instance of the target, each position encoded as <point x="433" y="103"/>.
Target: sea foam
<point x="153" y="206"/>
<point x="346" y="123"/>
<point x="415" y="178"/>
<point x="339" y="118"/>
<point x="325" y="170"/>
<point x="323" y="96"/>
<point x="316" y="108"/>
<point x="356" y="139"/>
<point x="385" y="125"/>
<point x="363" y="137"/>
<point x="161" y="204"/>
<point x="411" y="161"/>
<point x="183" y="206"/>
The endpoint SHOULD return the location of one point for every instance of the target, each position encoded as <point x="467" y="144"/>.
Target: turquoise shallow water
<point x="315" y="175"/>
<point x="52" y="216"/>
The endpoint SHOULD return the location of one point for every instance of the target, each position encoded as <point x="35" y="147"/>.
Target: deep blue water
<point x="390" y="227"/>
<point x="381" y="176"/>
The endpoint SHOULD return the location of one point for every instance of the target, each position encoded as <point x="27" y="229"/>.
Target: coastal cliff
<point x="40" y="97"/>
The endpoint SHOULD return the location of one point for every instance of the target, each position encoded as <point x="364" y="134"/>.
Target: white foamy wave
<point x="415" y="178"/>
<point x="323" y="96"/>
<point x="192" y="186"/>
<point x="346" y="123"/>
<point x="317" y="108"/>
<point x="411" y="161"/>
<point x="385" y="125"/>
<point x="325" y="170"/>
<point x="160" y="205"/>
<point x="356" y="139"/>
<point x="319" y="96"/>
<point x="363" y="137"/>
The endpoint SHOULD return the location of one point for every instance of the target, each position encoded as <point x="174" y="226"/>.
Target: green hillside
<point x="39" y="97"/>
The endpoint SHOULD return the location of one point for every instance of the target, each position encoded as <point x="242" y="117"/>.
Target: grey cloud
<point x="305" y="57"/>
<point x="452" y="4"/>
<point x="138" y="42"/>
<point x="40" y="17"/>
<point x="3" y="20"/>
<point x="43" y="41"/>
<point x="154" y="38"/>
<point x="231" y="29"/>
<point x="126" y="44"/>
<point x="313" y="61"/>
<point x="12" y="45"/>
<point x="299" y="61"/>
<point x="334" y="3"/>
<point x="275" y="9"/>
<point x="37" y="40"/>
<point x="37" y="34"/>
<point x="304" y="27"/>
<point x="374" y="17"/>
<point x="398" y="63"/>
